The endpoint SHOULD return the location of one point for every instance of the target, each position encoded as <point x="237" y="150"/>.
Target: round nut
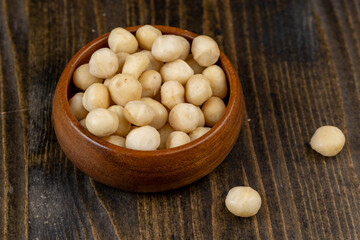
<point x="213" y="109"/>
<point x="116" y="140"/>
<point x="139" y="113"/>
<point x="136" y="64"/>
<point x="101" y="122"/>
<point x="198" y="89"/>
<point x="184" y="117"/>
<point x="146" y="36"/>
<point x="77" y="107"/>
<point x="243" y="201"/>
<point x="96" y="96"/>
<point x="205" y="50"/>
<point x="172" y="93"/>
<point x="143" y="138"/>
<point x="121" y="40"/>
<point x="124" y="88"/>
<point x="185" y="48"/>
<point x="217" y="79"/>
<point x="124" y="125"/>
<point x="103" y="63"/>
<point x="161" y="114"/>
<point x="151" y="82"/>
<point x="177" y="138"/>
<point x="328" y="141"/>
<point x="83" y="79"/>
<point x="167" y="48"/>
<point x="177" y="70"/>
<point x="198" y="132"/>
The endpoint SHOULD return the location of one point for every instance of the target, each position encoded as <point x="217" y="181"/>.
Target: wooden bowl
<point x="144" y="171"/>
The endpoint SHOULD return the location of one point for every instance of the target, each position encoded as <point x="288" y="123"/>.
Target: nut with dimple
<point x="143" y="138"/>
<point x="243" y="201"/>
<point x="328" y="140"/>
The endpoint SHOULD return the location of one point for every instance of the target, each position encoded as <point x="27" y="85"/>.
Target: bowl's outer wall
<point x="145" y="171"/>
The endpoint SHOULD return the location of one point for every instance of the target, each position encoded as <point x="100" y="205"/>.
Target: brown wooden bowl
<point x="144" y="171"/>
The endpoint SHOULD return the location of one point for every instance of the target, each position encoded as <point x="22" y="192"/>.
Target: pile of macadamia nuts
<point x="147" y="92"/>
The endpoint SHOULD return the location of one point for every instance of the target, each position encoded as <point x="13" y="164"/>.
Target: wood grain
<point x="298" y="64"/>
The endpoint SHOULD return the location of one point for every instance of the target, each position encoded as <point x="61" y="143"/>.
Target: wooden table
<point x="299" y="64"/>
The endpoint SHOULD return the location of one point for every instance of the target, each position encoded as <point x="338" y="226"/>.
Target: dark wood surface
<point x="299" y="65"/>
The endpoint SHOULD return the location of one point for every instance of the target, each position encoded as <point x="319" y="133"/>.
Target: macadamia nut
<point x="77" y="107"/>
<point x="185" y="48"/>
<point x="116" y="140"/>
<point x="96" y="96"/>
<point x="217" y="80"/>
<point x="243" y="201"/>
<point x="177" y="70"/>
<point x="143" y="138"/>
<point x="82" y="77"/>
<point x="121" y="40"/>
<point x="184" y="117"/>
<point x="101" y="122"/>
<point x="146" y="36"/>
<point x="167" y="48"/>
<point x="164" y="134"/>
<point x="198" y="89"/>
<point x="213" y="109"/>
<point x="124" y="124"/>
<point x="205" y="50"/>
<point x="151" y="82"/>
<point x="135" y="64"/>
<point x="154" y="64"/>
<point x="194" y="65"/>
<point x="172" y="93"/>
<point x="177" y="138"/>
<point x="161" y="114"/>
<point x="103" y="63"/>
<point x="139" y="113"/>
<point x="198" y="132"/>
<point x="328" y="141"/>
<point x="124" y="88"/>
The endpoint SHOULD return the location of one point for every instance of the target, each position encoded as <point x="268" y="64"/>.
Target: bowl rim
<point x="65" y="82"/>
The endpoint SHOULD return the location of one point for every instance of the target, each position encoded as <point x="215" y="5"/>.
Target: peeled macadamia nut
<point x="198" y="132"/>
<point x="161" y="114"/>
<point x="139" y="113"/>
<point x="96" y="96"/>
<point x="77" y="107"/>
<point x="184" y="117"/>
<point x="205" y="50"/>
<point x="185" y="48"/>
<point x="217" y="79"/>
<point x="116" y="140"/>
<point x="154" y="64"/>
<point x="101" y="122"/>
<point x="124" y="88"/>
<point x="103" y="63"/>
<point x="177" y="70"/>
<point x="121" y="57"/>
<point x="146" y="36"/>
<point x="328" y="141"/>
<point x="167" y="48"/>
<point x="121" y="40"/>
<point x="243" y="201"/>
<point x="172" y="93"/>
<point x="135" y="64"/>
<point x="124" y="124"/>
<point x="213" y="109"/>
<point x="164" y="134"/>
<point x="198" y="89"/>
<point x="82" y="77"/>
<point x="151" y="82"/>
<point x="177" y="138"/>
<point x="194" y="65"/>
<point x="143" y="138"/>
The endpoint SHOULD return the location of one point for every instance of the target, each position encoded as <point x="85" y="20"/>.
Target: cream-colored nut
<point x="121" y="57"/>
<point x="135" y="64"/>
<point x="83" y="123"/>
<point x="198" y="89"/>
<point x="161" y="114"/>
<point x="77" y="107"/>
<point x="328" y="141"/>
<point x="167" y="48"/>
<point x="243" y="201"/>
<point x="177" y="138"/>
<point x="124" y="88"/>
<point x="177" y="70"/>
<point x="103" y="63"/>
<point x="184" y="117"/>
<point x="205" y="50"/>
<point x="194" y="65"/>
<point x="201" y="118"/>
<point x="185" y="48"/>
<point x="198" y="132"/>
<point x="164" y="134"/>
<point x="101" y="122"/>
<point x="146" y="36"/>
<point x="107" y="82"/>
<point x="213" y="109"/>
<point x="217" y="80"/>
<point x="154" y="64"/>
<point x="172" y="93"/>
<point x="116" y="140"/>
<point x="151" y="82"/>
<point x="82" y="77"/>
<point x="139" y="113"/>
<point x="96" y="96"/>
<point x="143" y="138"/>
<point x="124" y="125"/>
<point x="121" y="40"/>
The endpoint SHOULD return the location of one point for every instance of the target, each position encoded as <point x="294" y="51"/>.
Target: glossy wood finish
<point x="298" y="62"/>
<point x="145" y="171"/>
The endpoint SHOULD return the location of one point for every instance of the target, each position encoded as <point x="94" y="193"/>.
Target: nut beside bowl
<point x="144" y="171"/>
